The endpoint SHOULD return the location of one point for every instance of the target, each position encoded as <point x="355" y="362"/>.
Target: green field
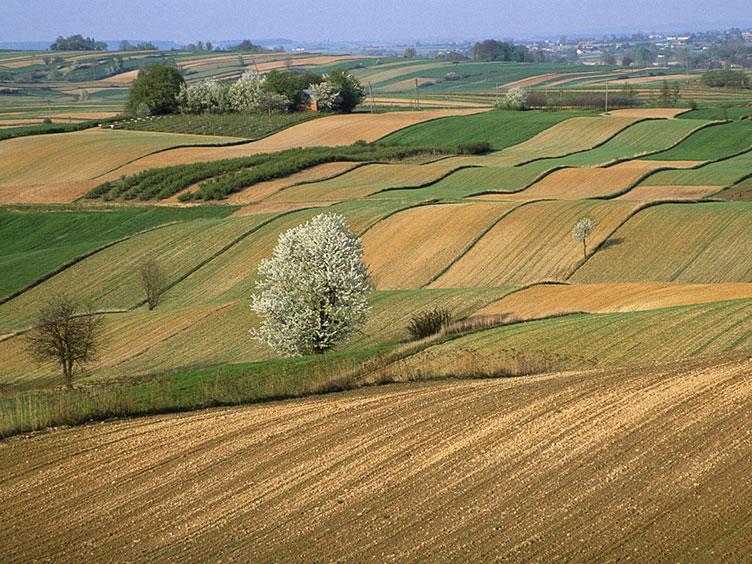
<point x="36" y="241"/>
<point x="248" y="126"/>
<point x="711" y="143"/>
<point x="499" y="128"/>
<point x="722" y="173"/>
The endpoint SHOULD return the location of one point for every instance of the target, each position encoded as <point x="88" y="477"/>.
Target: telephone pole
<point x="417" y="98"/>
<point x="607" y="97"/>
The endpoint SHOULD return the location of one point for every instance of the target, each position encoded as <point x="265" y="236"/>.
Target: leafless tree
<point x="65" y="336"/>
<point x="582" y="230"/>
<point x="152" y="281"/>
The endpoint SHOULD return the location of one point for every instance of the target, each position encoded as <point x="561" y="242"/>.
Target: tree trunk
<point x="584" y="248"/>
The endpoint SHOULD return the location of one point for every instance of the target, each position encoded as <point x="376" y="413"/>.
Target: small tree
<point x="582" y="230"/>
<point x="153" y="281"/>
<point x="313" y="292"/>
<point x="64" y="336"/>
<point x="325" y="95"/>
<point x="351" y="92"/>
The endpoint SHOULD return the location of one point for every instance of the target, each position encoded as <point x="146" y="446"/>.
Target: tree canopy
<point x="155" y="91"/>
<point x="77" y="43"/>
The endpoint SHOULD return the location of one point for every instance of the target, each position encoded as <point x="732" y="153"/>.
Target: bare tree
<point x="582" y="230"/>
<point x="64" y="336"/>
<point x="152" y="281"/>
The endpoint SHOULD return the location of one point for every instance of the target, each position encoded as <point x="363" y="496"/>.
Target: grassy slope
<point x="721" y="173"/>
<point x="604" y="339"/>
<point x="34" y="242"/>
<point x="711" y="143"/>
<point x="499" y="128"/>
<point x="718" y="113"/>
<point x="693" y="243"/>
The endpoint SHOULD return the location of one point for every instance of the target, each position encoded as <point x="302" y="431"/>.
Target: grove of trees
<point x="77" y="43"/>
<point x="492" y="50"/>
<point x="726" y="79"/>
<point x="155" y="91"/>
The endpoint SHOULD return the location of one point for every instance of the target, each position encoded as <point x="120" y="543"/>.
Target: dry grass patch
<point x="643" y="113"/>
<point x="551" y="299"/>
<point x="533" y="243"/>
<point x="409" y="248"/>
<point x="658" y="193"/>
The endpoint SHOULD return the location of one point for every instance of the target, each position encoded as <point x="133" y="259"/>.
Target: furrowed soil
<point x="651" y="464"/>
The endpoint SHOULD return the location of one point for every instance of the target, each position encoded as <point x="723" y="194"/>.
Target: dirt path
<point x="651" y="464"/>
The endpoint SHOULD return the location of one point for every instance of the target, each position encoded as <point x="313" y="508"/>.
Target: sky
<point x="389" y="20"/>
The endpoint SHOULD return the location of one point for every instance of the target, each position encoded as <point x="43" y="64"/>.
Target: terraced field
<point x="711" y="143"/>
<point x="62" y="167"/>
<point x="409" y="248"/>
<point x="545" y="300"/>
<point x="605" y="339"/>
<point x="627" y="456"/>
<point x="722" y="173"/>
<point x="533" y="243"/>
<point x="691" y="243"/>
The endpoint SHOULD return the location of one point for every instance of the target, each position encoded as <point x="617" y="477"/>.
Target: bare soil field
<point x="641" y="113"/>
<point x="649" y="464"/>
<point x="656" y="193"/>
<point x="334" y="130"/>
<point x="550" y="299"/>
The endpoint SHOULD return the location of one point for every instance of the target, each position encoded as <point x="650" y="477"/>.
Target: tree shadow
<point x="612" y="242"/>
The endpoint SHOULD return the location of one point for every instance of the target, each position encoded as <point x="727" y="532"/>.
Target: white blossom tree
<point x="326" y="95"/>
<point x="313" y="292"/>
<point x="515" y="99"/>
<point x="245" y="93"/>
<point x="582" y="230"/>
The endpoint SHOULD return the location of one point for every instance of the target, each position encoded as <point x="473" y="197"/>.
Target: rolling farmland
<point x="417" y="466"/>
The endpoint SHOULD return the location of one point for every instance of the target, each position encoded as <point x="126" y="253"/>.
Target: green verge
<point x="730" y="112"/>
<point x="45" y="128"/>
<point x="35" y="241"/>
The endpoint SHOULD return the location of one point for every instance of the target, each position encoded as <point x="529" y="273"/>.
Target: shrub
<point x="155" y="91"/>
<point x="516" y="99"/>
<point x="427" y="323"/>
<point x="478" y="148"/>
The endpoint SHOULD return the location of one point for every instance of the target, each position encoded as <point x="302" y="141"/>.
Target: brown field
<point x="55" y="193"/>
<point x="610" y="465"/>
<point x="408" y="248"/>
<point x="642" y="79"/>
<point x="328" y="131"/>
<point x="427" y="103"/>
<point x="277" y="207"/>
<point x="533" y="243"/>
<point x="641" y="113"/>
<point x="365" y="181"/>
<point x="70" y="159"/>
<point x="656" y="193"/>
<point x="549" y="299"/>
<point x="573" y="183"/>
<point x="263" y="190"/>
<point x="534" y="80"/>
<point x="122" y="79"/>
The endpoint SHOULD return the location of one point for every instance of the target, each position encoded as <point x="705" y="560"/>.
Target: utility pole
<point x="417" y="99"/>
<point x="607" y="97"/>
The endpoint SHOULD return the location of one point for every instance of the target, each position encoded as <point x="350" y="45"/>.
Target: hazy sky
<point x="188" y="20"/>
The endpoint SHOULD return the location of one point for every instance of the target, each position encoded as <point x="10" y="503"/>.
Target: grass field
<point x="620" y="456"/>
<point x="500" y="129"/>
<point x="606" y="339"/>
<point x="34" y="242"/>
<point x="110" y="279"/>
<point x="691" y="243"/>
<point x="533" y="243"/>
<point x="247" y="126"/>
<point x="711" y="143"/>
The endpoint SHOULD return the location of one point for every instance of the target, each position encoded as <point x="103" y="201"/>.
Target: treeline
<point x="126" y="45"/>
<point x="77" y="43"/>
<point x="161" y="90"/>
<point x="232" y="175"/>
<point x="492" y="50"/>
<point x="726" y="79"/>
